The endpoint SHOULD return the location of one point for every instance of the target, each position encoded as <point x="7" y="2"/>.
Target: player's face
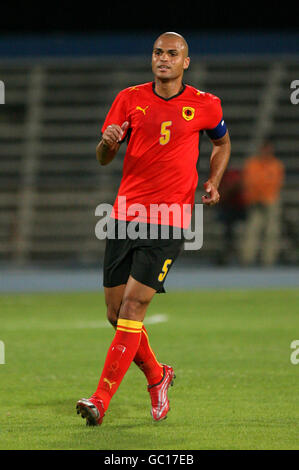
<point x="169" y="58"/>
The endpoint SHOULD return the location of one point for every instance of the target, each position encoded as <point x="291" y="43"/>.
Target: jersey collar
<point x="171" y="97"/>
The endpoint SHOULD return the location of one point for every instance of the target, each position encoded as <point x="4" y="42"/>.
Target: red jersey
<point x="163" y="146"/>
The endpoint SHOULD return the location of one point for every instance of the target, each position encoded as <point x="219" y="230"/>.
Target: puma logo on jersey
<point x="110" y="384"/>
<point x="142" y="109"/>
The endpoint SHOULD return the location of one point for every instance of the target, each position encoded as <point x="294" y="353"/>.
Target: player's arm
<point x="218" y="162"/>
<point x="109" y="145"/>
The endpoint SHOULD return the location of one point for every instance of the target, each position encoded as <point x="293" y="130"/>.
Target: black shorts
<point x="146" y="260"/>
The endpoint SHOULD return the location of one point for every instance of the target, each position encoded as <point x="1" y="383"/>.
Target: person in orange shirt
<point x="263" y="176"/>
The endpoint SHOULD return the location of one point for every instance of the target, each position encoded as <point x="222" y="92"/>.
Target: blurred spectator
<point x="263" y="177"/>
<point x="231" y="210"/>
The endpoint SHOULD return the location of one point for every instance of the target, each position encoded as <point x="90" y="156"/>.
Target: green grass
<point x="235" y="389"/>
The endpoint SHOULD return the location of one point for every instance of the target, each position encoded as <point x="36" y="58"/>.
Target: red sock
<point x="119" y="357"/>
<point x="146" y="360"/>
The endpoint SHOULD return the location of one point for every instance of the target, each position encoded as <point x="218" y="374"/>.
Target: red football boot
<point x="158" y="393"/>
<point x="92" y="409"/>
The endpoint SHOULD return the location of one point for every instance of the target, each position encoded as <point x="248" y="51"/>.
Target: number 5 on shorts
<point x="165" y="268"/>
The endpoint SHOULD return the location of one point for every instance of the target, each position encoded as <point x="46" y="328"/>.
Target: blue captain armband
<point x="218" y="131"/>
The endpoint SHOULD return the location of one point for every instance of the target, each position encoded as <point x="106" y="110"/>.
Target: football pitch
<point x="236" y="387"/>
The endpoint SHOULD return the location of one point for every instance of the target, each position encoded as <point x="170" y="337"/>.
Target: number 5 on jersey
<point x="165" y="133"/>
<point x="164" y="270"/>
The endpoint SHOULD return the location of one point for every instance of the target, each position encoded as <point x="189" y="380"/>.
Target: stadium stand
<point x="51" y="183"/>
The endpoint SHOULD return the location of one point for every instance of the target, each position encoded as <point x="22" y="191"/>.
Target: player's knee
<point x="133" y="307"/>
<point x="112" y="315"/>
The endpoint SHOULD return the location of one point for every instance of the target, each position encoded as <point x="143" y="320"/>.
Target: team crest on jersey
<point x="188" y="113"/>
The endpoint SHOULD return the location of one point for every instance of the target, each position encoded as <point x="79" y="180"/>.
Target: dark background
<point x="45" y="17"/>
<point x="67" y="51"/>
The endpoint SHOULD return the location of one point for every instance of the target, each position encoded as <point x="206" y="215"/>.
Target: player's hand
<point x="114" y="134"/>
<point x="213" y="195"/>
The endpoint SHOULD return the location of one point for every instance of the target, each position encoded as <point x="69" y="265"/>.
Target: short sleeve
<point x="118" y="111"/>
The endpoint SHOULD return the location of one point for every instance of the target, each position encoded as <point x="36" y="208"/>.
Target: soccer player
<point x="162" y="122"/>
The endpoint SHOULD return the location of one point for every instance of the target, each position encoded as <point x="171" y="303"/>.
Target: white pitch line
<point x="158" y="318"/>
<point x="151" y="320"/>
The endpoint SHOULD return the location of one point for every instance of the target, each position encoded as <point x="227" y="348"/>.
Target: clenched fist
<point x="213" y="195"/>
